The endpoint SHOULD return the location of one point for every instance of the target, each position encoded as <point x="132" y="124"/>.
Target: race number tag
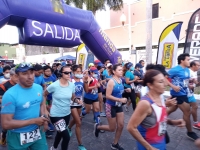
<point x="162" y="128"/>
<point x="185" y="83"/>
<point x="29" y="137"/>
<point x="60" y="125"/>
<point x="94" y="91"/>
<point x="132" y="85"/>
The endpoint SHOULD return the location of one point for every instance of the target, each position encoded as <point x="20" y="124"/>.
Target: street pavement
<point x="178" y="139"/>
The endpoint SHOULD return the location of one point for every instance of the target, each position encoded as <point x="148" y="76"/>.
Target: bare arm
<point x="9" y="123"/>
<point x="143" y="109"/>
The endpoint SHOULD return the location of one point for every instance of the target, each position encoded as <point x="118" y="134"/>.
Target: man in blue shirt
<point x="180" y="76"/>
<point x="39" y="79"/>
<point x="23" y="112"/>
<point x="48" y="79"/>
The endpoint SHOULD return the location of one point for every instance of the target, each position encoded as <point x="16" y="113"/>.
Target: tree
<point x="94" y="5"/>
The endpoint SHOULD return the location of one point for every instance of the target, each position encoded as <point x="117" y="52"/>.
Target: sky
<point x="9" y="34"/>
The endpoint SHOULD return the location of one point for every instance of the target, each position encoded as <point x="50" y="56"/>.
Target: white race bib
<point x="29" y="137"/>
<point x="60" y="125"/>
<point x="94" y="91"/>
<point x="162" y="128"/>
<point x="132" y="85"/>
<point x="185" y="83"/>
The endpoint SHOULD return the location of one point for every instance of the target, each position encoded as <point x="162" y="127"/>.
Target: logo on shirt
<point x="186" y="74"/>
<point x="26" y="105"/>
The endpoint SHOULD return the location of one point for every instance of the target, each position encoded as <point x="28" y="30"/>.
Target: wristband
<point x="44" y="116"/>
<point x="85" y="81"/>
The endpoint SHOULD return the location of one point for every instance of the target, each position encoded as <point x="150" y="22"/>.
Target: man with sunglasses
<point x="23" y="112"/>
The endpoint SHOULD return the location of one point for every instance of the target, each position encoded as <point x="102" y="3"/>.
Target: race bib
<point x="185" y="83"/>
<point x="60" y="125"/>
<point x="29" y="137"/>
<point x="162" y="128"/>
<point x="94" y="91"/>
<point x="132" y="85"/>
<point x="138" y="89"/>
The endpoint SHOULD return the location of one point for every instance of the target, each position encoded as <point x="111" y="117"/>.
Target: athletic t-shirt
<point x="49" y="81"/>
<point x="78" y="91"/>
<point x="24" y="104"/>
<point x="193" y="75"/>
<point x="92" y="94"/>
<point x="106" y="75"/>
<point x="61" y="98"/>
<point x="5" y="86"/>
<point x="179" y="77"/>
<point x="39" y="80"/>
<point x="130" y="76"/>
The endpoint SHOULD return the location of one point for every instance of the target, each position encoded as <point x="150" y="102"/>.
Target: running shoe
<point x="3" y="142"/>
<point x="70" y="131"/>
<point x="49" y="134"/>
<point x="52" y="148"/>
<point x="81" y="147"/>
<point x="196" y="126"/>
<point x="102" y="114"/>
<point x="116" y="147"/>
<point x="96" y="130"/>
<point x="51" y="127"/>
<point x="192" y="136"/>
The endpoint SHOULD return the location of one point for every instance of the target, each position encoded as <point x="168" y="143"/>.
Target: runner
<point x="3" y="88"/>
<point x="22" y="106"/>
<point x="180" y="77"/>
<point x="39" y="79"/>
<point x="48" y="79"/>
<point x="91" y="94"/>
<point x="114" y="110"/>
<point x="76" y="107"/>
<point x="194" y="67"/>
<point x="6" y="74"/>
<point x="62" y="93"/>
<point x="148" y="122"/>
<point x="130" y="80"/>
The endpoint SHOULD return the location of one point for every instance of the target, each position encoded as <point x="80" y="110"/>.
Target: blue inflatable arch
<point x="54" y="13"/>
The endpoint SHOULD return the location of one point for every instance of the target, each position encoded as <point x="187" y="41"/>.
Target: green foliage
<point x="94" y="5"/>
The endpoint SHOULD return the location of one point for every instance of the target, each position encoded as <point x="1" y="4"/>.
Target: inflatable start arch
<point x="53" y="23"/>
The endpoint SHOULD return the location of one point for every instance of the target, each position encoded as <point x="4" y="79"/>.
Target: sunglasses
<point x="66" y="73"/>
<point x="22" y="65"/>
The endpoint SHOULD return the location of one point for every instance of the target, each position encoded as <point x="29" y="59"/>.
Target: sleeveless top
<point x="78" y="91"/>
<point x="93" y="93"/>
<point x="118" y="89"/>
<point x="153" y="127"/>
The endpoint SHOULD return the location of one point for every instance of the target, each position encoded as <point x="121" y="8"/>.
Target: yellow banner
<point x="168" y="55"/>
<point x="81" y="59"/>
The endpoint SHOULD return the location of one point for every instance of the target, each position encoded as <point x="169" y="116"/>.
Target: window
<point x="155" y="10"/>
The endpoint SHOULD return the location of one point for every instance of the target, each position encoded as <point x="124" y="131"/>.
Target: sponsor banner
<point x="192" y="43"/>
<point x="168" y="45"/>
<point x="81" y="55"/>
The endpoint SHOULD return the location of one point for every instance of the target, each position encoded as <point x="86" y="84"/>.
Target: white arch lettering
<point x="41" y="31"/>
<point x="48" y="31"/>
<point x="67" y="38"/>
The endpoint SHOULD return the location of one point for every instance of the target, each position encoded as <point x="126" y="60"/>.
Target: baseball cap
<point x="97" y="61"/>
<point x="108" y="65"/>
<point x="91" y="64"/>
<point x="63" y="63"/>
<point x="23" y="67"/>
<point x="94" y="69"/>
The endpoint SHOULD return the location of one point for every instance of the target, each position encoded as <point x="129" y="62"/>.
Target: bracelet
<point x="85" y="81"/>
<point x="44" y="116"/>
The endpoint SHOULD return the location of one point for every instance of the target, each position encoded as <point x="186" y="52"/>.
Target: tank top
<point x="118" y="89"/>
<point x="92" y="94"/>
<point x="153" y="127"/>
<point x="78" y="91"/>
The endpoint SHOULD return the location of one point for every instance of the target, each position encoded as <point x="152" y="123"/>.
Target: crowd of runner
<point x="37" y="100"/>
